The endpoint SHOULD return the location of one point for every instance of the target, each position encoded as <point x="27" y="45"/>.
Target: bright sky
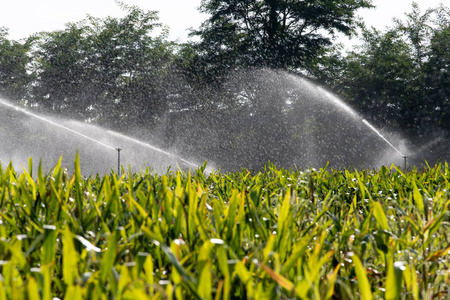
<point x="24" y="17"/>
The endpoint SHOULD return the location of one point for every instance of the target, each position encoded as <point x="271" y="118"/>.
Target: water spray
<point x="338" y="102"/>
<point x="380" y="135"/>
<point x="61" y="126"/>
<point x="154" y="148"/>
<point x="97" y="141"/>
<point x="118" y="160"/>
<point x="55" y="124"/>
<point x="389" y="143"/>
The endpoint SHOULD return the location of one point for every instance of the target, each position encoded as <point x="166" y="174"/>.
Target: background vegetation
<point x="126" y="75"/>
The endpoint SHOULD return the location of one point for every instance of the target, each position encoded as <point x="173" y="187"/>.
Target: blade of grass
<point x="363" y="282"/>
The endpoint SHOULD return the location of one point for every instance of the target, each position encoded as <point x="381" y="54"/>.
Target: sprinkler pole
<point x="118" y="160"/>
<point x="404" y="157"/>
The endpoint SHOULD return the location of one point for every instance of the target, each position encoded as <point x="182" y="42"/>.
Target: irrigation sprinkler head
<point x="404" y="157"/>
<point x="118" y="160"/>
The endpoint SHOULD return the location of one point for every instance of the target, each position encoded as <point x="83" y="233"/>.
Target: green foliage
<point x="437" y="74"/>
<point x="312" y="234"/>
<point x="398" y="77"/>
<point x="272" y="33"/>
<point x="13" y="73"/>
<point x="111" y="71"/>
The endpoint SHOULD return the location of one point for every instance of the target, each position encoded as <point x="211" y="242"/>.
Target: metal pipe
<point x="118" y="160"/>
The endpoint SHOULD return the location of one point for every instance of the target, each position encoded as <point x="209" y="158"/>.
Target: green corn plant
<point x="278" y="234"/>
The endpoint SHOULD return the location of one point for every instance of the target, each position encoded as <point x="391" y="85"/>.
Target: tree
<point x="13" y="67"/>
<point x="272" y="33"/>
<point x="116" y="72"/>
<point x="398" y="78"/>
<point x="379" y="80"/>
<point x="437" y="72"/>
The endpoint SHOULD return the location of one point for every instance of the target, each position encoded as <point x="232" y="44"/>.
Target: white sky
<point x="24" y="17"/>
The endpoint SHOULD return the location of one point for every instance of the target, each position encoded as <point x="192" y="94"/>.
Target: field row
<point x="275" y="234"/>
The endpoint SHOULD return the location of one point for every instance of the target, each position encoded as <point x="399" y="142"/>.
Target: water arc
<point x="48" y="138"/>
<point x="258" y="115"/>
<point x="54" y="123"/>
<point x="270" y="115"/>
<point x="383" y="137"/>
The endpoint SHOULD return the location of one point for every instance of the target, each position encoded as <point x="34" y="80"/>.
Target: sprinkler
<point x="404" y="157"/>
<point x="118" y="160"/>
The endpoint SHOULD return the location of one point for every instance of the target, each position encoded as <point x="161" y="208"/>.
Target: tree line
<point x="398" y="77"/>
<point x="125" y="73"/>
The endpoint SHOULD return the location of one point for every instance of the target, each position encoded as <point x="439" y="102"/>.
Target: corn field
<point x="274" y="234"/>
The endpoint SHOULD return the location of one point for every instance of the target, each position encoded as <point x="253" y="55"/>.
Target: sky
<point x="25" y="17"/>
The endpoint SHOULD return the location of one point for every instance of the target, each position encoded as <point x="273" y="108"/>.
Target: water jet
<point x="261" y="115"/>
<point x="54" y="123"/>
<point x="51" y="141"/>
<point x="341" y="104"/>
<point x="384" y="138"/>
<point x="338" y="102"/>
<point x="258" y="115"/>
<point x="153" y="148"/>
